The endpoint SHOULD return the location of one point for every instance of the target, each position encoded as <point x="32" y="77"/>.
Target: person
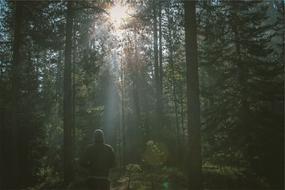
<point x="98" y="159"/>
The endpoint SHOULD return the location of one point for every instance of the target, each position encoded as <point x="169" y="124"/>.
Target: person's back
<point x="98" y="159"/>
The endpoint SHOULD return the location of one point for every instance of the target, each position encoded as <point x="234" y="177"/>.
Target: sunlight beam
<point x="118" y="14"/>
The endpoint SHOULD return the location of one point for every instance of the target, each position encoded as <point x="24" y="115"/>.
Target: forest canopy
<point x="190" y="94"/>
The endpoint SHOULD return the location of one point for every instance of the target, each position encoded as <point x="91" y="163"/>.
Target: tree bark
<point x="193" y="102"/>
<point x="74" y="54"/>
<point x="173" y="80"/>
<point x="160" y="52"/>
<point x="67" y="97"/>
<point x="13" y="172"/>
<point x="241" y="70"/>
<point x="156" y="67"/>
<point x="123" y="124"/>
<point x="155" y="45"/>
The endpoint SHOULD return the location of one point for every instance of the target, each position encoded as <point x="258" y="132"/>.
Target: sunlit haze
<point x="141" y="94"/>
<point x="118" y="14"/>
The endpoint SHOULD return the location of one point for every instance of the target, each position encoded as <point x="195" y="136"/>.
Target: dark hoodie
<point x="99" y="157"/>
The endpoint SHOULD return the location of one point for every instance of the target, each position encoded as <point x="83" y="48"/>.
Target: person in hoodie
<point x="97" y="160"/>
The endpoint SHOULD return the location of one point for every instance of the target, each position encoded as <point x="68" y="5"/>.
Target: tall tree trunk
<point x="156" y="66"/>
<point x="122" y="133"/>
<point x="155" y="45"/>
<point x="173" y="80"/>
<point x="183" y="128"/>
<point x="13" y="172"/>
<point x="74" y="54"/>
<point x="193" y="102"/>
<point x="160" y="54"/>
<point x="283" y="36"/>
<point x="241" y="68"/>
<point x="67" y="97"/>
<point x="137" y="80"/>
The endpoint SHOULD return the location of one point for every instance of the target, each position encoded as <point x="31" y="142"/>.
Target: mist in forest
<point x="142" y="95"/>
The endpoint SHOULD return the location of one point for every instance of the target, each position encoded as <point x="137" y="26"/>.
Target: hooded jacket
<point x="98" y="158"/>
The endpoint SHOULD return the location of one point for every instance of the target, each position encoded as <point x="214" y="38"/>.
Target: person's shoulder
<point x="89" y="146"/>
<point x="109" y="147"/>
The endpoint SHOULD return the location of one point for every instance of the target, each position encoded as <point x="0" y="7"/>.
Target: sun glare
<point x="118" y="14"/>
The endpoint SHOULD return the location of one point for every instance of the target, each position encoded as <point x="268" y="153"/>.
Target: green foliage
<point x="229" y="177"/>
<point x="241" y="69"/>
<point x="143" y="177"/>
<point x="133" y="168"/>
<point x="155" y="154"/>
<point x="239" y="82"/>
<point x="51" y="180"/>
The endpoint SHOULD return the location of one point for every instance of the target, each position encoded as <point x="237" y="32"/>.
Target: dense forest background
<point x="189" y="94"/>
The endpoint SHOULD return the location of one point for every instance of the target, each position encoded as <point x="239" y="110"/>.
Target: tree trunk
<point x="156" y="67"/>
<point x="122" y="133"/>
<point x="155" y="46"/>
<point x="67" y="98"/>
<point x="183" y="128"/>
<point x="160" y="54"/>
<point x="173" y="80"/>
<point x="241" y="70"/>
<point x="13" y="173"/>
<point x="193" y="102"/>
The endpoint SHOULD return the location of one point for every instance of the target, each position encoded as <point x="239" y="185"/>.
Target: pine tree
<point x="193" y="102"/>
